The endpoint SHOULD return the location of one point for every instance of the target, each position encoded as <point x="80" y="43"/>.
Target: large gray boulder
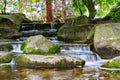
<point x="10" y="25"/>
<point x="37" y="61"/>
<point x="107" y="40"/>
<point x="39" y="45"/>
<point x="77" y="30"/>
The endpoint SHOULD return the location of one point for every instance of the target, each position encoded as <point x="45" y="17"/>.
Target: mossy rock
<point x="77" y="21"/>
<point x="10" y="25"/>
<point x="77" y="33"/>
<point x="7" y="33"/>
<point x="48" y="61"/>
<point x="114" y="63"/>
<point x="6" y="57"/>
<point x="5" y="47"/>
<point x="107" y="40"/>
<point x="16" y="18"/>
<point x="39" y="45"/>
<point x="76" y="30"/>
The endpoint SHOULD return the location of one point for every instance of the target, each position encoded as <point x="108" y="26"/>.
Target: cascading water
<point x="52" y="27"/>
<point x="16" y="48"/>
<point x="79" y="51"/>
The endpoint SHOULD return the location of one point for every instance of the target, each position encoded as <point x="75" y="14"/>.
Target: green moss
<point x="30" y="50"/>
<point x="112" y="64"/>
<point x="115" y="63"/>
<point x="105" y="64"/>
<point x="81" y="62"/>
<point x="23" y="47"/>
<point x="39" y="51"/>
<point x="61" y="62"/>
<point x="54" y="49"/>
<point x="27" y="50"/>
<point x="64" y="62"/>
<point x="22" y="60"/>
<point x="5" y="58"/>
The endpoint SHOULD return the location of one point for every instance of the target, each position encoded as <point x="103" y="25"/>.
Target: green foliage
<point x="103" y="6"/>
<point x="79" y="7"/>
<point x="114" y="14"/>
<point x="32" y="1"/>
<point x="1" y="6"/>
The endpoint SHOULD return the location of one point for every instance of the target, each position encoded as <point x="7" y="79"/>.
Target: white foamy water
<point x="16" y="48"/>
<point x="80" y="51"/>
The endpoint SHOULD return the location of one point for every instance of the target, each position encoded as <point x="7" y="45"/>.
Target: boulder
<point x="6" y="57"/>
<point x="114" y="63"/>
<point x="48" y="61"/>
<point x="10" y="25"/>
<point x="107" y="40"/>
<point x="40" y="45"/>
<point x="5" y="47"/>
<point x="76" y="30"/>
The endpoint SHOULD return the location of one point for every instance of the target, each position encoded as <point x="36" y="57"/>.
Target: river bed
<point x="90" y="71"/>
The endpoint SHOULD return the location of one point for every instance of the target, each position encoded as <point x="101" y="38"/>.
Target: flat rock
<point x="49" y="61"/>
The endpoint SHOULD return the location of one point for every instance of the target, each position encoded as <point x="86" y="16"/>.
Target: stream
<point x="90" y="71"/>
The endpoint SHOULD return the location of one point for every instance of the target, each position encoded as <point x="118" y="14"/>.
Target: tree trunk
<point x="4" y="9"/>
<point x="48" y="11"/>
<point x="63" y="11"/>
<point x="91" y="8"/>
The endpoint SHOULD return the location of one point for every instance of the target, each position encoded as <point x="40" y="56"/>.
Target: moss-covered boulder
<point x="107" y="40"/>
<point x="39" y="45"/>
<point x="5" y="47"/>
<point x="37" y="61"/>
<point x="76" y="30"/>
<point x="114" y="14"/>
<point x="10" y="25"/>
<point x="6" y="57"/>
<point x="114" y="63"/>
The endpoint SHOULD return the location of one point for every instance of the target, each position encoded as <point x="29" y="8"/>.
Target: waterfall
<point x="16" y="48"/>
<point x="52" y="27"/>
<point x="79" y="51"/>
